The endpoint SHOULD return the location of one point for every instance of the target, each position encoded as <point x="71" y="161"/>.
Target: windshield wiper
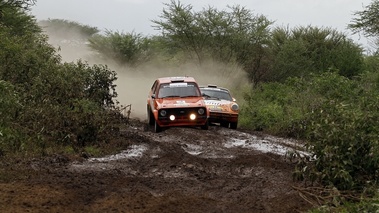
<point x="171" y="96"/>
<point x="186" y="96"/>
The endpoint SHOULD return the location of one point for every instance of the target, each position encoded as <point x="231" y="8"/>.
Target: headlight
<point x="201" y="111"/>
<point x="163" y="113"/>
<point x="172" y="117"/>
<point x="235" y="107"/>
<point x="192" y="116"/>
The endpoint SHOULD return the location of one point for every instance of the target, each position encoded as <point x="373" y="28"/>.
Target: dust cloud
<point x="133" y="84"/>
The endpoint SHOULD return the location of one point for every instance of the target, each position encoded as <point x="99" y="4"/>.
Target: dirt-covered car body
<point x="222" y="107"/>
<point x="176" y="101"/>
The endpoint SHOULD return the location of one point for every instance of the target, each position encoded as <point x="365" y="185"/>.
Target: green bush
<point x="45" y="103"/>
<point x="337" y="116"/>
<point x="124" y="48"/>
<point x="342" y="134"/>
<point x="275" y="108"/>
<point x="9" y="107"/>
<point x="9" y="102"/>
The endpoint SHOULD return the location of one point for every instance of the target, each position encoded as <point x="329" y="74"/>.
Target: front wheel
<point x="224" y="124"/>
<point x="233" y="125"/>
<point x="157" y="128"/>
<point x="150" y="116"/>
<point x="205" y="126"/>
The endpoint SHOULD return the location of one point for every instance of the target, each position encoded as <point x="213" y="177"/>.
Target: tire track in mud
<point x="219" y="170"/>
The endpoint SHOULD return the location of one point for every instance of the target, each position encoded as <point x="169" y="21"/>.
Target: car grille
<point x="182" y="113"/>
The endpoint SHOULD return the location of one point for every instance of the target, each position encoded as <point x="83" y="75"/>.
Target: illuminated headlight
<point x="235" y="107"/>
<point x="201" y="111"/>
<point x="163" y="113"/>
<point x="172" y="117"/>
<point x="192" y="116"/>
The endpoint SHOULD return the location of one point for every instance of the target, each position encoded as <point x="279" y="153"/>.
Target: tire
<point x="157" y="128"/>
<point x="233" y="125"/>
<point x="150" y="116"/>
<point x="224" y="124"/>
<point x="205" y="126"/>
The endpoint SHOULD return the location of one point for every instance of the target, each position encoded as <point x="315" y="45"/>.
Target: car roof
<point x="214" y="87"/>
<point x="176" y="79"/>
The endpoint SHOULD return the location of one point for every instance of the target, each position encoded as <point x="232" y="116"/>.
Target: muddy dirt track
<point x="177" y="170"/>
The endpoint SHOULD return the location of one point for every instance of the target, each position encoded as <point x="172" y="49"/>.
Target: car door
<point x="152" y="95"/>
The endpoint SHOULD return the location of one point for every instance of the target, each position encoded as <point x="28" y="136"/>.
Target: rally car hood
<point x="179" y="102"/>
<point x="215" y="105"/>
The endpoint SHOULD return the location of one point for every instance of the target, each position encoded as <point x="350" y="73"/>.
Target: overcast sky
<point x="136" y="15"/>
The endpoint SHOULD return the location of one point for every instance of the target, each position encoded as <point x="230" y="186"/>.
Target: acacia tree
<point x="181" y="27"/>
<point x="301" y="51"/>
<point x="367" y="21"/>
<point x="14" y="18"/>
<point x="25" y="4"/>
<point x="129" y="48"/>
<point x="229" y="36"/>
<point x="251" y="39"/>
<point x="13" y="4"/>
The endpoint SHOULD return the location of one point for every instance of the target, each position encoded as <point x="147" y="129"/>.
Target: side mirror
<point x="153" y="96"/>
<point x="234" y="99"/>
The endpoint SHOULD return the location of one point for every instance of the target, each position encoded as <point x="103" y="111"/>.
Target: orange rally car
<point x="176" y="101"/>
<point x="222" y="107"/>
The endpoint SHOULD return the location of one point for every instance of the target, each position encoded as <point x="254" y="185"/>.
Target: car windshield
<point x="181" y="89"/>
<point x="216" y="93"/>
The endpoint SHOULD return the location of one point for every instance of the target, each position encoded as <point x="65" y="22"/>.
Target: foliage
<point x="22" y="4"/>
<point x="365" y="205"/>
<point x="337" y="116"/>
<point x="44" y="103"/>
<point x="319" y="87"/>
<point x="367" y="20"/>
<point x="237" y="35"/>
<point x="13" y="17"/>
<point x="129" y="48"/>
<point x="94" y="83"/>
<point x="305" y="50"/>
<point x="61" y="28"/>
<point x="9" y="103"/>
<point x="229" y="36"/>
<point x="339" y="158"/>
<point x="372" y="64"/>
<point x="273" y="107"/>
<point x="69" y="104"/>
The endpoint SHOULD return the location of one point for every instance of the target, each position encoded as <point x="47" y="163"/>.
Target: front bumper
<point x="182" y="117"/>
<point x="218" y="117"/>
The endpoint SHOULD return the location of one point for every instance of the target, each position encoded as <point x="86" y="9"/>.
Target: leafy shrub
<point x="124" y="48"/>
<point x="9" y="102"/>
<point x="9" y="107"/>
<point x="44" y="103"/>
<point x="342" y="134"/>
<point x="73" y="102"/>
<point x="337" y="116"/>
<point x="275" y="108"/>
